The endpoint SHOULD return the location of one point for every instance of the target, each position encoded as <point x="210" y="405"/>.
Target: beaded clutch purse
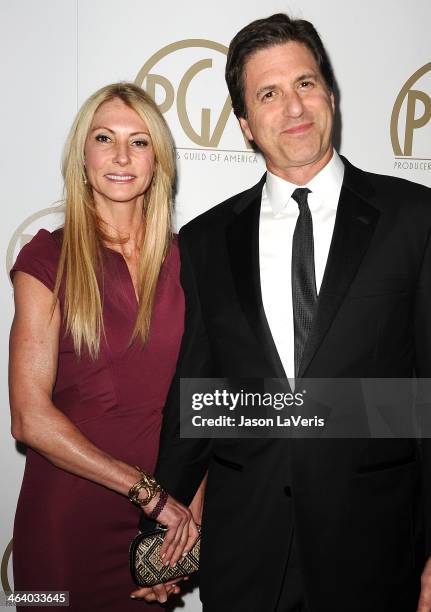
<point x="146" y="566"/>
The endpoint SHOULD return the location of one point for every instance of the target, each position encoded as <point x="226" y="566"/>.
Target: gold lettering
<point x="153" y="81"/>
<point x="157" y="79"/>
<point x="221" y="123"/>
<point x="405" y="90"/>
<point x="203" y="138"/>
<point x="412" y="122"/>
<point x="4" y="563"/>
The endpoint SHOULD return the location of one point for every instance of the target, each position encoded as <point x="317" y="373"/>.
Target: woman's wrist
<point x="144" y="490"/>
<point x="160" y="504"/>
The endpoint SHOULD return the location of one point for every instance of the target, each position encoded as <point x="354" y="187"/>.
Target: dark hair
<point x="262" y="33"/>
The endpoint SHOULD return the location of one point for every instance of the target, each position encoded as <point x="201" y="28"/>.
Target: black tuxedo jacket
<point x="357" y="505"/>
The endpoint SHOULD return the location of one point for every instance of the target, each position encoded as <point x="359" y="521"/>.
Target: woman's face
<point x="119" y="156"/>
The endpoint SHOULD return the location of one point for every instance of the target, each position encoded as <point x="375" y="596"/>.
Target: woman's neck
<point x="124" y="223"/>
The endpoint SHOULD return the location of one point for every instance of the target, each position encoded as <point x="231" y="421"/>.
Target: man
<point x="320" y="270"/>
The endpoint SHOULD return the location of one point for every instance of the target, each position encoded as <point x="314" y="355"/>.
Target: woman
<point x="94" y="342"/>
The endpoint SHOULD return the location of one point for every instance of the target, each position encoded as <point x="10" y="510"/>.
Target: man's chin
<point x="289" y="168"/>
<point x="309" y="157"/>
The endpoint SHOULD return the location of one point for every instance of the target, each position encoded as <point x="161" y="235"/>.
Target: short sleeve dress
<point x="71" y="534"/>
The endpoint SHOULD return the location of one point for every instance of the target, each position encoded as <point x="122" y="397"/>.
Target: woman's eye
<point x="102" y="138"/>
<point x="141" y="143"/>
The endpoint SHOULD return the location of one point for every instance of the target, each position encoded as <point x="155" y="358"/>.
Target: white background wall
<point x="54" y="54"/>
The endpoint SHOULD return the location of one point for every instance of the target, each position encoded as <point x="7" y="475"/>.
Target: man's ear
<point x="332" y="101"/>
<point x="245" y="128"/>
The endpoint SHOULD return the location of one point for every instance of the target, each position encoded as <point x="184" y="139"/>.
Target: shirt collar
<point x="325" y="186"/>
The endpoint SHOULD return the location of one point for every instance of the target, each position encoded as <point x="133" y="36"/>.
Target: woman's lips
<point x="120" y="178"/>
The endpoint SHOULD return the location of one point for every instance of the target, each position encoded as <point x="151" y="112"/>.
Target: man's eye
<point x="268" y="95"/>
<point x="306" y="84"/>
<point x="102" y="138"/>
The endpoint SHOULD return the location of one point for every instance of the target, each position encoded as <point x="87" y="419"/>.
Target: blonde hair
<point x="81" y="253"/>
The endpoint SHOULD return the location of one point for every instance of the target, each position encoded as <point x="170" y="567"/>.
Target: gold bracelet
<point x="147" y="483"/>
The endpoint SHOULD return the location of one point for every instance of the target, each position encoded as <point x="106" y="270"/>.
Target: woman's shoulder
<point x="39" y="257"/>
<point x="44" y="243"/>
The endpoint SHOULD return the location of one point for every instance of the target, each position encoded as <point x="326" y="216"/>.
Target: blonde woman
<point x="94" y="343"/>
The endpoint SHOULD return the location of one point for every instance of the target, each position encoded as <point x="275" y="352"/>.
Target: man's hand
<point x="159" y="592"/>
<point x="181" y="533"/>
<point x="196" y="507"/>
<point x="424" y="604"/>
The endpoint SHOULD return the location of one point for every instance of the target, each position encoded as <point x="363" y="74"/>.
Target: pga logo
<point x="186" y="79"/>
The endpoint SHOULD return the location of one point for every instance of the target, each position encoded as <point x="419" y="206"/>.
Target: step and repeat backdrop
<point x="55" y="54"/>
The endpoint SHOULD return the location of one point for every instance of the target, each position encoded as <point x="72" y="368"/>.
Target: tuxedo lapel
<point x="353" y="230"/>
<point x="243" y="249"/>
<point x="354" y="227"/>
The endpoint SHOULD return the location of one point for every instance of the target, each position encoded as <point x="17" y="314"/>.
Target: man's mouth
<point x="298" y="129"/>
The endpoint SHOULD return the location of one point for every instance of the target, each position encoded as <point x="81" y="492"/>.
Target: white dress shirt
<point x="278" y="216"/>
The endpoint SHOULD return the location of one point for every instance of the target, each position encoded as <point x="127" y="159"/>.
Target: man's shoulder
<point x="386" y="190"/>
<point x="386" y="182"/>
<point x="398" y="184"/>
<point x="221" y="214"/>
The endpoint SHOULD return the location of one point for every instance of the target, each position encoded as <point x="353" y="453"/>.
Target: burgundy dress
<point x="71" y="534"/>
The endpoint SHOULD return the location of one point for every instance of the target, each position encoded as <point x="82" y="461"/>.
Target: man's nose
<point x="294" y="106"/>
<point x="121" y="154"/>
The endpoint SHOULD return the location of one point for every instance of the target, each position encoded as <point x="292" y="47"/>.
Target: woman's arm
<point x="32" y="370"/>
<point x="39" y="424"/>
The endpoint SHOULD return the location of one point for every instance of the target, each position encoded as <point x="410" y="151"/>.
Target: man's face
<point x="289" y="110"/>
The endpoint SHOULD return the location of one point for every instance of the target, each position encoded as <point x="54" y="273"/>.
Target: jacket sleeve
<point x="182" y="462"/>
<point x="422" y="325"/>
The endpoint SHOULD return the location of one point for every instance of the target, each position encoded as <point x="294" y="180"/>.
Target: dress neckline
<point x="129" y="276"/>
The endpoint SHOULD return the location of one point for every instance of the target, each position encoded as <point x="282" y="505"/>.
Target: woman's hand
<point x="182" y="531"/>
<point x="159" y="592"/>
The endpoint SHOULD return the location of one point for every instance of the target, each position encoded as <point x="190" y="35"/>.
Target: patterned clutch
<point x="146" y="566"/>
